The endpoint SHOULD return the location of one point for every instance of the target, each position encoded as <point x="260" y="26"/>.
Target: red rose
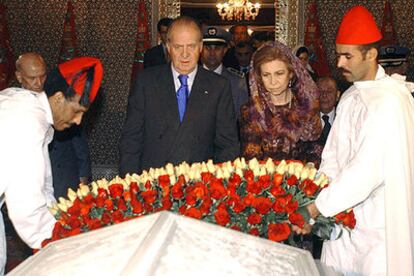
<point x="248" y="199"/>
<point x="277" y="191"/>
<point x="164" y="181"/>
<point x="121" y="205"/>
<point x="254" y="187"/>
<point x="278" y="232"/>
<point x="264" y="181"/>
<point x="94" y="224"/>
<point x="84" y="211"/>
<point x="235" y="227"/>
<point x="148" y="208"/>
<point x="206" y="177"/>
<point x="281" y="203"/>
<point x="222" y="217"/>
<point x="149" y="196"/>
<point x="88" y="199"/>
<point x="137" y="207"/>
<point x="74" y="210"/>
<point x="148" y="185"/>
<point x="193" y="213"/>
<point x="248" y="175"/>
<point x="217" y="189"/>
<point x="200" y="190"/>
<point x="254" y="219"/>
<point x="133" y="187"/>
<point x="116" y="190"/>
<point x="127" y="195"/>
<point x="292" y="206"/>
<point x="73" y="232"/>
<point x="277" y="179"/>
<point x="206" y="205"/>
<point x="262" y="205"/>
<point x="109" y="205"/>
<point x="347" y="219"/>
<point x="117" y="217"/>
<point x="190" y="200"/>
<point x="309" y="187"/>
<point x="74" y="222"/>
<point x="166" y="203"/>
<point x="100" y="202"/>
<point x="254" y="231"/>
<point x="297" y="219"/>
<point x="102" y="193"/>
<point x="292" y="180"/>
<point x="177" y="191"/>
<point x="106" y="218"/>
<point x="238" y="206"/>
<point x="235" y="180"/>
<point x="182" y="210"/>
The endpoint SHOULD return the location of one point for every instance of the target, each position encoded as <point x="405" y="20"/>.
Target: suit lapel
<point x="168" y="97"/>
<point x="194" y="103"/>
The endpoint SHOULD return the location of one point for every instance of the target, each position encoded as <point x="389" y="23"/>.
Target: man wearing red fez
<point x="369" y="157"/>
<point x="27" y="123"/>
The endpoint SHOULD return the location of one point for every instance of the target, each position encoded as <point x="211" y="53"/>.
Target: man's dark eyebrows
<point x="343" y="54"/>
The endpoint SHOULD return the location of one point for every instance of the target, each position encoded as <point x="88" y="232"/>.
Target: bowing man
<point x="179" y="111"/>
<point x="29" y="119"/>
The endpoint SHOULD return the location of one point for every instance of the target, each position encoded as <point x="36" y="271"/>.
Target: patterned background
<point x="107" y="29"/>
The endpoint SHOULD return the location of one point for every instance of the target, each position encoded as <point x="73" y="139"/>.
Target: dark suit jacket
<point x="70" y="159"/>
<point x="154" y="56"/>
<point x="152" y="135"/>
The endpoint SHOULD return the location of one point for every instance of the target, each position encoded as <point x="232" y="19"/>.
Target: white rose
<point x="94" y="188"/>
<point x="270" y="166"/>
<point x="282" y="167"/>
<point x="253" y="164"/>
<point x="72" y="194"/>
<point x="211" y="167"/>
<point x="170" y="169"/>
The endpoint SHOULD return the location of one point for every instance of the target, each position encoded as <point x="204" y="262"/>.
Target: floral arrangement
<point x="259" y="198"/>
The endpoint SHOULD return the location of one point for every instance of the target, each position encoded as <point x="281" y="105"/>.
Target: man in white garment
<point x="27" y="120"/>
<point x="369" y="157"/>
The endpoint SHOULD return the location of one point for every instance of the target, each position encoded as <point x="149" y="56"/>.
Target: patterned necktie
<point x="182" y="95"/>
<point x="326" y="128"/>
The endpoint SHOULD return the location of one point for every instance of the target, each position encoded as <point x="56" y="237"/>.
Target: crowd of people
<point x="207" y="93"/>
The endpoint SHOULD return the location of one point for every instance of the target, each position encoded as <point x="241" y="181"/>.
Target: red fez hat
<point x="82" y="76"/>
<point x="358" y="27"/>
<point x="76" y="73"/>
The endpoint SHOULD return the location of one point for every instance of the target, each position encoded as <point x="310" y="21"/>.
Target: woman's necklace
<point x="287" y="99"/>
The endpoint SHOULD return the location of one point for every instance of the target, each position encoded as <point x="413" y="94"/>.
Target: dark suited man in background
<point x="329" y="96"/>
<point x="215" y="42"/>
<point x="180" y="111"/>
<point x="158" y="55"/>
<point x="239" y="33"/>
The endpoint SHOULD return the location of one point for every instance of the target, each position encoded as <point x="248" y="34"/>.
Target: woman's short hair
<point x="267" y="54"/>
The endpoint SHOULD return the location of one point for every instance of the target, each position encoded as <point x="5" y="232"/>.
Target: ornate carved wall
<point x="107" y="29"/>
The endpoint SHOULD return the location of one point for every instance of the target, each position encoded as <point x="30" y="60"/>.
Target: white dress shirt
<point x="190" y="79"/>
<point x="25" y="177"/>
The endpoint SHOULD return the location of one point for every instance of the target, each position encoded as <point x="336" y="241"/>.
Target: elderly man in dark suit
<point x="180" y="111"/>
<point x="158" y="55"/>
<point x="215" y="42"/>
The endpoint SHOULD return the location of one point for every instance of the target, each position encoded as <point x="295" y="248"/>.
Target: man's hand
<point x="307" y="228"/>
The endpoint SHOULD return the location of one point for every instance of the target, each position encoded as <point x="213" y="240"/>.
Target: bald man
<point x="31" y="71"/>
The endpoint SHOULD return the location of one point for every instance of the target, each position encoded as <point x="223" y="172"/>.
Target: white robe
<point x="25" y="173"/>
<point x="369" y="155"/>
